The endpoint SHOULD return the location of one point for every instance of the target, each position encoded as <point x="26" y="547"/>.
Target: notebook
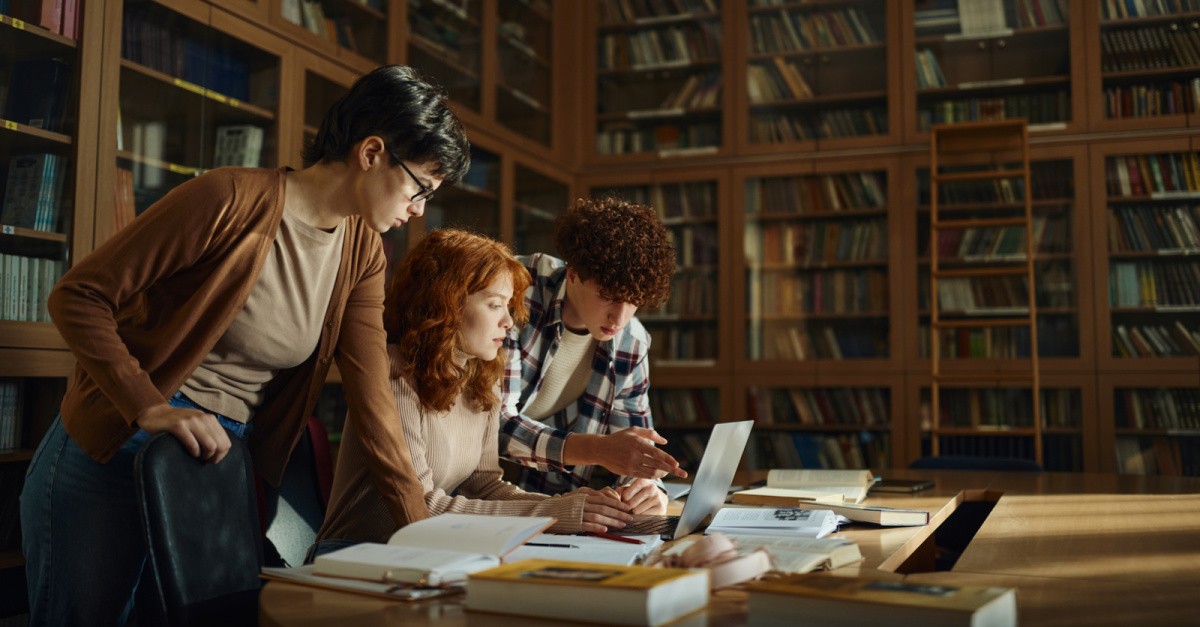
<point x="713" y="478"/>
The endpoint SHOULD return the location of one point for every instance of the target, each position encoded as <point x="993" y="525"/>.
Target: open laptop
<point x="709" y="488"/>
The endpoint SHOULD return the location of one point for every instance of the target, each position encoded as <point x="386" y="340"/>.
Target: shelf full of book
<point x="42" y="142"/>
<point x="1146" y="255"/>
<point x="659" y="89"/>
<point x="689" y="330"/>
<point x="828" y="421"/>
<point x="356" y="32"/>
<point x="818" y="245"/>
<point x="210" y="98"/>
<point x="1150" y="424"/>
<point x="1145" y="64"/>
<point x="982" y="420"/>
<point x="685" y="408"/>
<point x="994" y="59"/>
<point x="1062" y="286"/>
<point x="818" y="75"/>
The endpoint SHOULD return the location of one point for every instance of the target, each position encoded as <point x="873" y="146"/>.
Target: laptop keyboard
<point x="652" y="524"/>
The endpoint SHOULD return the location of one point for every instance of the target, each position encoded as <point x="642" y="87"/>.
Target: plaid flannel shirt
<point x="615" y="397"/>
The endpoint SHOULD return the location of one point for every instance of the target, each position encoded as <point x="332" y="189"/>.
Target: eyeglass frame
<point x="423" y="192"/>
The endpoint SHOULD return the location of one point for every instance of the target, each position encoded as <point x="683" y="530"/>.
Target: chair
<point x="963" y="462"/>
<point x="200" y="522"/>
<point x="292" y="514"/>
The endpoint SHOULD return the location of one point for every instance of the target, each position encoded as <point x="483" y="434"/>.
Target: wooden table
<point x="1090" y="549"/>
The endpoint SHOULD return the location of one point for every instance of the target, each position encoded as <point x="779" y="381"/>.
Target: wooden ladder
<point x="1004" y="149"/>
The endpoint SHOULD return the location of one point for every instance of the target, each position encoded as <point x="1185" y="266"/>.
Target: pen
<point x="560" y="546"/>
<point x="613" y="536"/>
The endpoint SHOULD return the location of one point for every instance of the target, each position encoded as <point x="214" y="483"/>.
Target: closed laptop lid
<point x="715" y="475"/>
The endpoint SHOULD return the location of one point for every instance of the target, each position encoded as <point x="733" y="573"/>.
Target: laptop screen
<point x="715" y="475"/>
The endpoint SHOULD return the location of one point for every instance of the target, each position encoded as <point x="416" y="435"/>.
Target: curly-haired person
<point x="447" y="313"/>
<point x="576" y="387"/>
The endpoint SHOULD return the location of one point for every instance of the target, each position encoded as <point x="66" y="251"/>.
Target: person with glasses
<point x="217" y="313"/>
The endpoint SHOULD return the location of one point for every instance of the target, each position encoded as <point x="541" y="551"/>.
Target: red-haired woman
<point x="447" y="313"/>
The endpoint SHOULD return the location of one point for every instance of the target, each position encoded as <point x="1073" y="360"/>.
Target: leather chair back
<point x="200" y="522"/>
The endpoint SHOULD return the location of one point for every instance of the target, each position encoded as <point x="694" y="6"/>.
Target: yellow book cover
<point x="558" y="572"/>
<point x="844" y="601"/>
<point x="624" y="595"/>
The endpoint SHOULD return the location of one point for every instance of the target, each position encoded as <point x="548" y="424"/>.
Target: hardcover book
<point x="845" y="601"/>
<point x="624" y="595"/>
<point x="436" y="551"/>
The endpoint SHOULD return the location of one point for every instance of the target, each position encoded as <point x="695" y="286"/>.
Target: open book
<point x="824" y="486"/>
<point x="436" y="551"/>
<point x="789" y="554"/>
<point x="773" y="521"/>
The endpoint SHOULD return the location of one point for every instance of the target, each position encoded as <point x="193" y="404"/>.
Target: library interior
<point x="905" y="231"/>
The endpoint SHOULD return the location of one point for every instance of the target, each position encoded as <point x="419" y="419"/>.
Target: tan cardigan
<point x="456" y="455"/>
<point x="142" y="311"/>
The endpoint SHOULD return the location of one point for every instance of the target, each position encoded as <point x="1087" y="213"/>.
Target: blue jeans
<point x="81" y="530"/>
<point x="322" y="547"/>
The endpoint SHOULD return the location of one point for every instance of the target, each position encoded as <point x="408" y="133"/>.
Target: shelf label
<point x="1003" y="82"/>
<point x="664" y="65"/>
<point x="656" y="113"/>
<point x="1178" y="252"/>
<point x="1048" y="126"/>
<point x="192" y="87"/>
<point x="17" y="24"/>
<point x="1173" y="195"/>
<point x="8" y="229"/>
<point x="216" y="96"/>
<point x="179" y="169"/>
<point x="234" y="102"/>
<point x="10" y="125"/>
<point x="687" y="152"/>
<point x="1176" y="308"/>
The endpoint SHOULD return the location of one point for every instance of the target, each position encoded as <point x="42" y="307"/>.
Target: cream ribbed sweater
<point x="455" y="455"/>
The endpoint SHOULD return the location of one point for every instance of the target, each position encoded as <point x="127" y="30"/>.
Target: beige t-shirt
<point x="280" y="324"/>
<point x="567" y="376"/>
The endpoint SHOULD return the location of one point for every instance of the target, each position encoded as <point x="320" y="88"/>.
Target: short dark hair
<point x="411" y="115"/>
<point x="620" y="245"/>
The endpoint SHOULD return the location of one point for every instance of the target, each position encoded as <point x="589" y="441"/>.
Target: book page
<point x="386" y="562"/>
<point x="586" y="549"/>
<point x="472" y="533"/>
<point x="851" y="484"/>
<point x="765" y="520"/>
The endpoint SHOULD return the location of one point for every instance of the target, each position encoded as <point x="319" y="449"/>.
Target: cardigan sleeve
<point x="363" y="362"/>
<point x="173" y="235"/>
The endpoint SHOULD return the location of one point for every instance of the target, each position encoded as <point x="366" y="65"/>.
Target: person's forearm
<point x="579" y="449"/>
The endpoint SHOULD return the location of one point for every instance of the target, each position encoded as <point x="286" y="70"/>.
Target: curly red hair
<point x="423" y="312"/>
<point x="622" y="246"/>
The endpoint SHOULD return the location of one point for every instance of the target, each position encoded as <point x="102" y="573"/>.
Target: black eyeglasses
<point x="423" y="193"/>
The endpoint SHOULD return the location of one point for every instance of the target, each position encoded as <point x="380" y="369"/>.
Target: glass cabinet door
<point x="1009" y="61"/>
<point x="444" y="42"/>
<point x="40" y="62"/>
<point x="537" y="201"/>
<point x="206" y="100"/>
<point x="817" y="72"/>
<point x="817" y="262"/>
<point x="658" y="78"/>
<point x="473" y="204"/>
<point x="524" y="98"/>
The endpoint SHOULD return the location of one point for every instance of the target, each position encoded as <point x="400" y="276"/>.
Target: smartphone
<point x="902" y="485"/>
